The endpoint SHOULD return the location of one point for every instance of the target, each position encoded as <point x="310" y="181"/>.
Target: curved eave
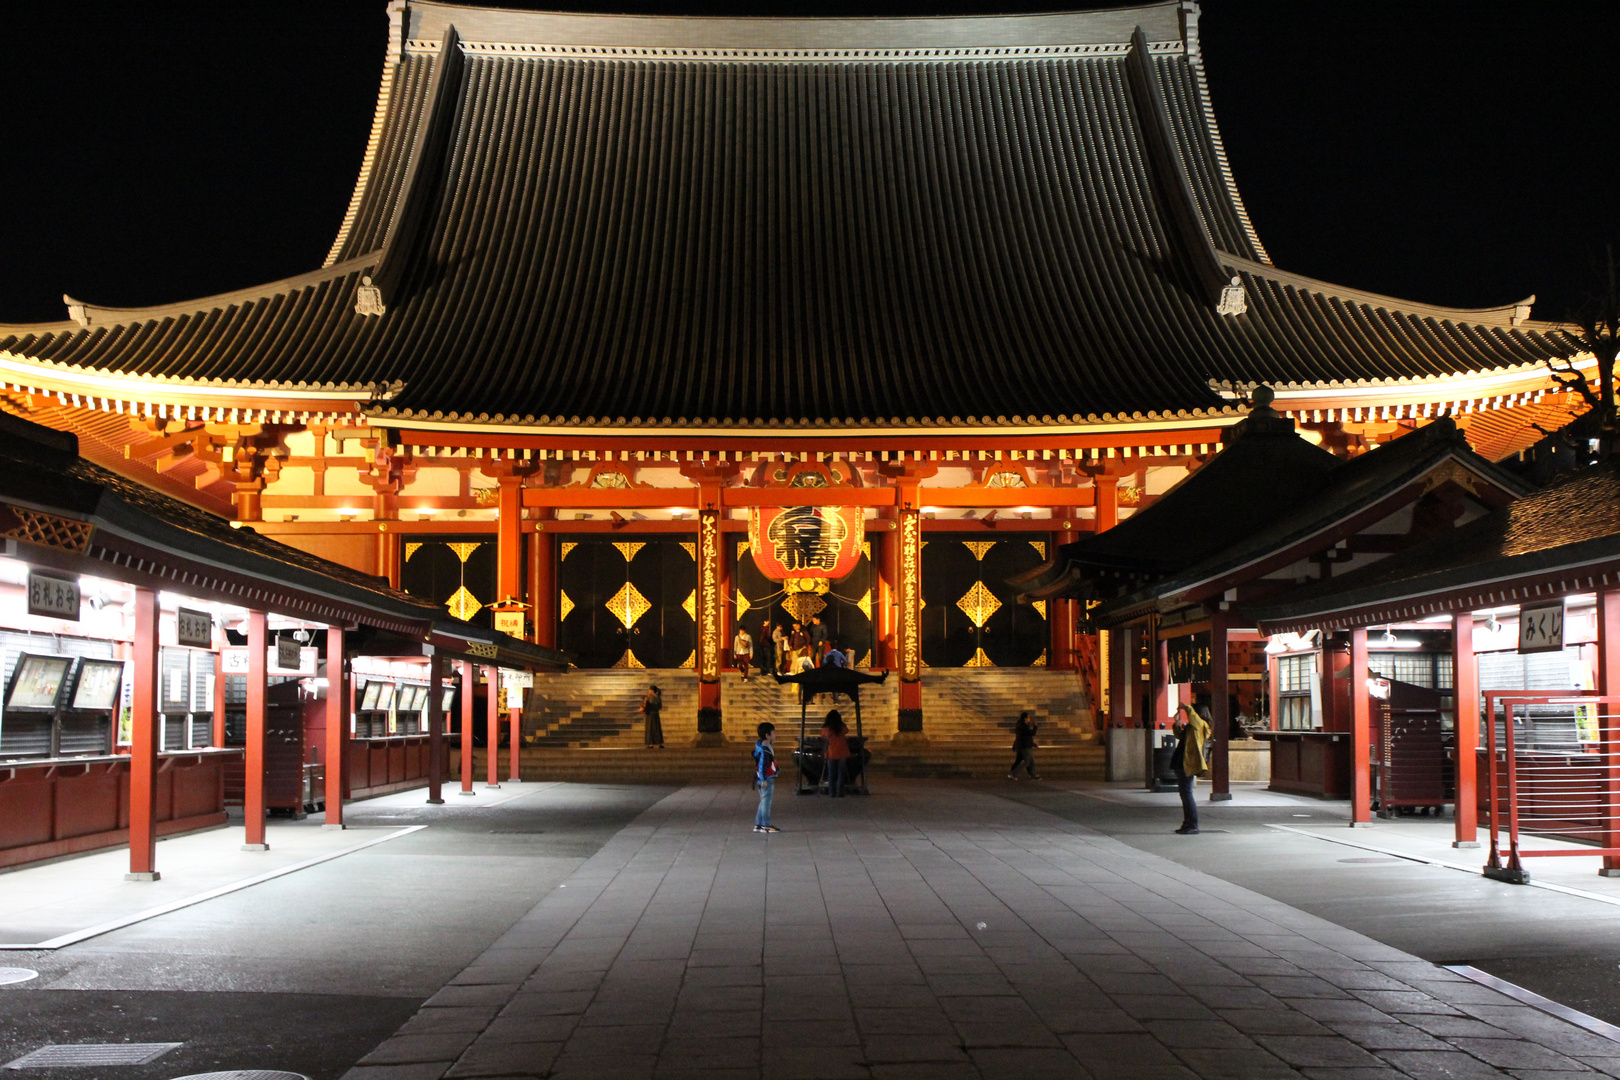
<point x="1468" y="386"/>
<point x="1509" y="316"/>
<point x="38" y="377"/>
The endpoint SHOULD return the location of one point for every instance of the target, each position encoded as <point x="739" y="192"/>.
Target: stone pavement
<point x="940" y="932"/>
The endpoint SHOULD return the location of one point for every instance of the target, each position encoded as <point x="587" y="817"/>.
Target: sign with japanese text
<point x="194" y="628"/>
<point x="53" y="597"/>
<point x="287" y="650"/>
<point x="1541" y="628"/>
<point x="509" y="622"/>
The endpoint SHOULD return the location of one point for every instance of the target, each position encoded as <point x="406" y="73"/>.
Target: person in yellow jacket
<point x="1192" y="734"/>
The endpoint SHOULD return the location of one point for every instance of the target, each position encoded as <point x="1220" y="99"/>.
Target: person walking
<point x="834" y="735"/>
<point x="765" y="777"/>
<point x="742" y="651"/>
<point x="1024" y="746"/>
<point x="652" y="731"/>
<point x="1192" y="734"/>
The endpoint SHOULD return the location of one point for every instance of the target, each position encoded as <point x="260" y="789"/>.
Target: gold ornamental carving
<point x="565" y="604"/>
<point x="411" y="549"/>
<point x="978" y="604"/>
<point x="464" y="550"/>
<point x="690" y="548"/>
<point x="565" y="548"/>
<point x="742" y="606"/>
<point x="980" y="548"/>
<point x="865" y="603"/>
<point x="628" y="605"/>
<point x="628" y="548"/>
<point x="628" y="660"/>
<point x="689" y="605"/>
<point x="462" y="604"/>
<point x="1039" y="546"/>
<point x="1040" y="606"/>
<point x="979" y="660"/>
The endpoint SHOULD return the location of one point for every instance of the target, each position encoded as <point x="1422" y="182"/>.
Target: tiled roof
<point x="1571" y="525"/>
<point x="995" y="231"/>
<point x="1267" y="492"/>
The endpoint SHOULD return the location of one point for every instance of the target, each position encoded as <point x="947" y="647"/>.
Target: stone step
<point x="732" y="761"/>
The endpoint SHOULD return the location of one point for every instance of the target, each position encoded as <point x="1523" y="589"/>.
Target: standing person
<point x="765" y="777"/>
<point x="834" y="734"/>
<point x="779" y="638"/>
<point x="819" y="637"/>
<point x="1024" y="746"/>
<point x="798" y="645"/>
<point x="1192" y="733"/>
<point x="767" y="648"/>
<point x="742" y="651"/>
<point x="835" y="657"/>
<point x="652" y="731"/>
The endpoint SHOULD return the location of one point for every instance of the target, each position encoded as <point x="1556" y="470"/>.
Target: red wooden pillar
<point x="514" y="720"/>
<point x="1122" y="680"/>
<point x="144" y="742"/>
<point x="469" y="680"/>
<point x="217" y="737"/>
<point x="710" y="597"/>
<point x="1465" y="698"/>
<point x="908" y="613"/>
<point x="1158" y="695"/>
<point x="492" y="736"/>
<point x="337" y="726"/>
<point x="884" y="655"/>
<point x="1107" y="494"/>
<point x="542" y="553"/>
<point x="1360" y="731"/>
<point x="1608" y="681"/>
<point x="1220" y="710"/>
<point x="509" y="538"/>
<point x="253" y="787"/>
<point x="436" y="729"/>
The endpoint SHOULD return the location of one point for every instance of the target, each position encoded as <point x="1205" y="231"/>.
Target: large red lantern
<point x="791" y="542"/>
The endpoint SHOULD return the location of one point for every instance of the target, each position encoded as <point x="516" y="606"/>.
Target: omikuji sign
<point x="806" y="541"/>
<point x="53" y="597"/>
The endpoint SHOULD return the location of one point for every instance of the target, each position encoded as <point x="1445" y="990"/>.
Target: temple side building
<point x="636" y="328"/>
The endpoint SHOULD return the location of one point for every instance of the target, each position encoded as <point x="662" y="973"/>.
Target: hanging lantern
<point x="790" y="542"/>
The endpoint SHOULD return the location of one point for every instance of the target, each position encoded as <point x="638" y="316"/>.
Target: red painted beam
<point x="832" y="442"/>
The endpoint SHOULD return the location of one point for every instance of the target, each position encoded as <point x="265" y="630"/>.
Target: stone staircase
<point x="584" y="725"/>
<point x="598" y="709"/>
<point x="978" y="705"/>
<point x="743" y="706"/>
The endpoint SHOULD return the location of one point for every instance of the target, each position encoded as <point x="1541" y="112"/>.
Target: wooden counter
<point x="51" y="807"/>
<point x="1314" y="763"/>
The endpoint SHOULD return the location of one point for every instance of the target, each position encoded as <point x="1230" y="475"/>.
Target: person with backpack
<point x="1192" y="734"/>
<point x="765" y="777"/>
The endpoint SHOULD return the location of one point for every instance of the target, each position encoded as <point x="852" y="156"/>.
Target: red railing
<point x="1569" y="788"/>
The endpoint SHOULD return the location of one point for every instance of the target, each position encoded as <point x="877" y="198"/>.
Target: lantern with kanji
<point x="793" y="542"/>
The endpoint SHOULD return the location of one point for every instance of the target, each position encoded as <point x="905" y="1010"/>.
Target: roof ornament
<point x="1521" y="310"/>
<point x="1234" y="301"/>
<point x="368" y="299"/>
<point x="78" y="310"/>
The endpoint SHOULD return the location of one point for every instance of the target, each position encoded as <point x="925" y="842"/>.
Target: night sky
<point x="1458" y="154"/>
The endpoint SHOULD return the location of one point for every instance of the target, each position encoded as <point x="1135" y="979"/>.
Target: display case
<point x="86" y="720"/>
<point x="28" y="718"/>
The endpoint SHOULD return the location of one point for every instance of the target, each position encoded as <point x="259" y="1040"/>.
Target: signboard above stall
<point x="194" y="629"/>
<point x="1541" y="629"/>
<point x="53" y="597"/>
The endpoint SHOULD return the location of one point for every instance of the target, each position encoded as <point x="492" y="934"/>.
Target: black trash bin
<point x="1164" y="764"/>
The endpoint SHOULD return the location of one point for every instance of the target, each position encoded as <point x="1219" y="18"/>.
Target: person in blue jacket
<point x="765" y="777"/>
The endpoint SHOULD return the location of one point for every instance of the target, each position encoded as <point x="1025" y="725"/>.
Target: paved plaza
<point x="932" y="931"/>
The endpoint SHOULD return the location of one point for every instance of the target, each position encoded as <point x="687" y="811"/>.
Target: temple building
<point x="638" y="329"/>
